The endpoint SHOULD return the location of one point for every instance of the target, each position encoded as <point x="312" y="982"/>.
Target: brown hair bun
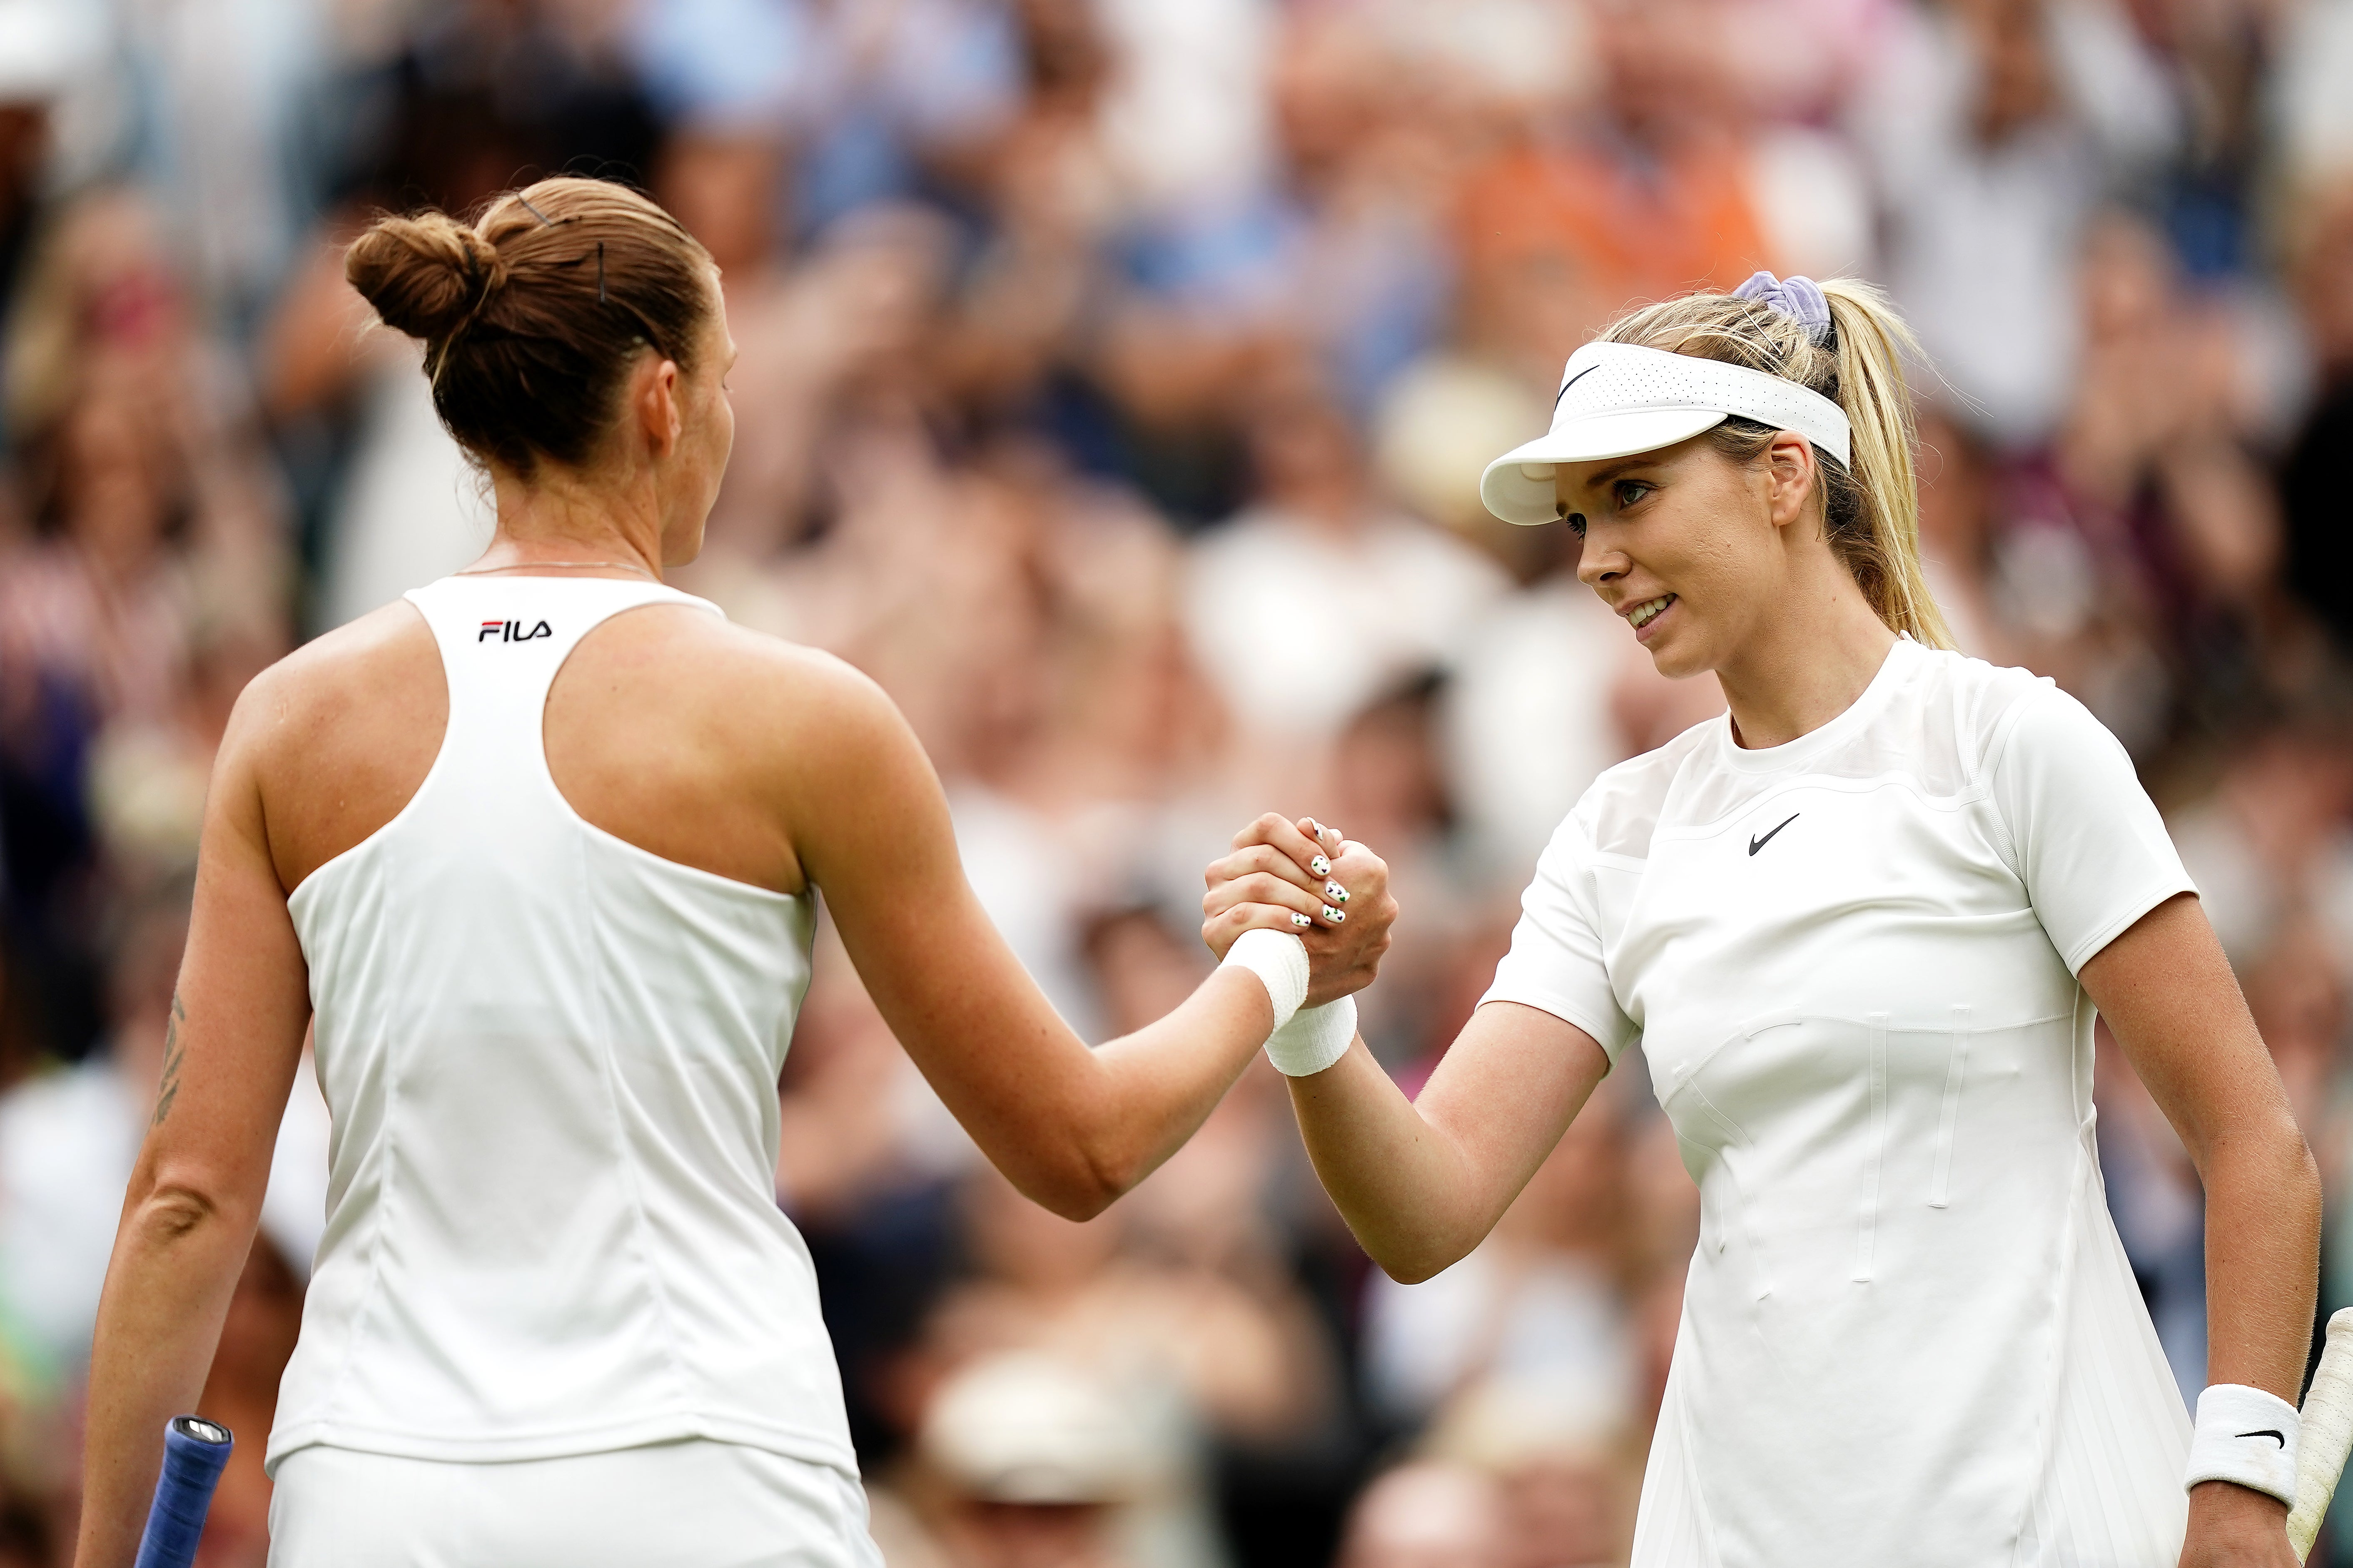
<point x="534" y="315"/>
<point x="427" y="275"/>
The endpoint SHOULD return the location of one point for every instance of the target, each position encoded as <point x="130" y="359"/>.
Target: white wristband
<point x="1314" y="1039"/>
<point x="1280" y="960"/>
<point x="2245" y="1436"/>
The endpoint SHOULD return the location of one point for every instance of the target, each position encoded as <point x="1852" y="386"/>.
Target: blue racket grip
<point x="195" y="1450"/>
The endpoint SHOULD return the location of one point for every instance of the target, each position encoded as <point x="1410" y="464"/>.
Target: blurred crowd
<point x="1115" y="380"/>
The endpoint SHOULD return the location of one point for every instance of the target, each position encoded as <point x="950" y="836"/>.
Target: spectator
<point x="882" y="98"/>
<point x="1542" y="1299"/>
<point x="1567" y="1491"/>
<point x="1645" y="197"/>
<point x="241" y="1394"/>
<point x="38" y="50"/>
<point x="1179" y="1335"/>
<point x="2159" y="423"/>
<point x="2317" y="518"/>
<point x="1033" y="1455"/>
<point x="1115" y="376"/>
<point x="67" y="1142"/>
<point x="2272" y="837"/>
<point x="1315" y="599"/>
<point x="20" y="1029"/>
<point x="1997" y="126"/>
<point x="155" y="520"/>
<point x="235" y="113"/>
<point x="1424" y="1515"/>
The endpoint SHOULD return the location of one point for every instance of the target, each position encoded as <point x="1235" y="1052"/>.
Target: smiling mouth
<point x="1648" y="610"/>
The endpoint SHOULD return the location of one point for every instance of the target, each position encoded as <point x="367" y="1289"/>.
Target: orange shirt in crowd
<point x="1627" y="238"/>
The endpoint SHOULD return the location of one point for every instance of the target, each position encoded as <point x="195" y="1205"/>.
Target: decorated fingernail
<point x="1336" y="893"/>
<point x="1334" y="916"/>
<point x="1319" y="866"/>
<point x="1301" y="921"/>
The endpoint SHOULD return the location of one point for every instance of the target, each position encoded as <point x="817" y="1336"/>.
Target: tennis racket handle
<point x="195" y="1450"/>
<point x="2325" y="1436"/>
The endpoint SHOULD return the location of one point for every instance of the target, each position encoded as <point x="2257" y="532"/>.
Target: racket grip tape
<point x="2325" y="1435"/>
<point x="195" y="1450"/>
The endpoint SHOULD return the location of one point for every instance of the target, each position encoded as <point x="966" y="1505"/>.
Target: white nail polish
<point x="1302" y="921"/>
<point x="1334" y="916"/>
<point x="1319" y="866"/>
<point x="1336" y="893"/>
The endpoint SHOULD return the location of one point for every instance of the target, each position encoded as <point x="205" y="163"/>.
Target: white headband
<point x="1616" y="400"/>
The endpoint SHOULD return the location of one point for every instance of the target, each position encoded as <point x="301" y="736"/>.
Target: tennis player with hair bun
<point x="537" y="852"/>
<point x="1859" y="925"/>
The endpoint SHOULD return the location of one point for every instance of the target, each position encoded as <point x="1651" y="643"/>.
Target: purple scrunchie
<point x="1799" y="297"/>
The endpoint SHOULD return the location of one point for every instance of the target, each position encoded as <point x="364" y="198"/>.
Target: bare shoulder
<point x="338" y="735"/>
<point x="718" y="747"/>
<point x="385" y="655"/>
<point x="785" y="668"/>
<point x="764" y="690"/>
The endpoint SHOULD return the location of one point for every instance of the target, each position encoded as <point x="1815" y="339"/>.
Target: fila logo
<point x="511" y="631"/>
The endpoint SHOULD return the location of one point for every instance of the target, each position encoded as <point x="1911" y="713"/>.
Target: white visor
<point x="1616" y="400"/>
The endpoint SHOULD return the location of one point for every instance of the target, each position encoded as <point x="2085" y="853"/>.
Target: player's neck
<point x="1804" y="670"/>
<point x="558" y="517"/>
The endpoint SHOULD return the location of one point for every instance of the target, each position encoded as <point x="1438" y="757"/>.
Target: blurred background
<point x="1115" y="379"/>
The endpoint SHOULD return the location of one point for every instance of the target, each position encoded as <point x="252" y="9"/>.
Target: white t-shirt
<point x="1909" y="1332"/>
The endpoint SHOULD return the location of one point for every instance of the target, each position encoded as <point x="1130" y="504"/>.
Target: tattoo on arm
<point x="174" y="1055"/>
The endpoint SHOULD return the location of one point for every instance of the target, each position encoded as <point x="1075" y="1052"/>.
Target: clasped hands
<point x="1306" y="879"/>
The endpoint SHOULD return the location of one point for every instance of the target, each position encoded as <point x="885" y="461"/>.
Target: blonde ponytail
<point x="1871" y="507"/>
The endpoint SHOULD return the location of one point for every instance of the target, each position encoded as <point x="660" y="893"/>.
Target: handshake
<point x="1307" y="880"/>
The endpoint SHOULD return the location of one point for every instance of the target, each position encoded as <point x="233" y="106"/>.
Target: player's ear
<point x="659" y="414"/>
<point x="1791" y="476"/>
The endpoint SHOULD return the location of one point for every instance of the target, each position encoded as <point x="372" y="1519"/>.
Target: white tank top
<point x="552" y="1059"/>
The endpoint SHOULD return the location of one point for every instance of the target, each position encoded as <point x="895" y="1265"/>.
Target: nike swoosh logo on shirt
<point x="1756" y="844"/>
<point x="1572" y="381"/>
<point x="2277" y="1437"/>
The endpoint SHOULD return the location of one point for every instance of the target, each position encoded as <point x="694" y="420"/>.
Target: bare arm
<point x="1421" y="1183"/>
<point x="2168" y="994"/>
<point x="1072" y="1128"/>
<point x="195" y="1199"/>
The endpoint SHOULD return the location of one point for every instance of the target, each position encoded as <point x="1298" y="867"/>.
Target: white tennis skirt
<point x="694" y="1504"/>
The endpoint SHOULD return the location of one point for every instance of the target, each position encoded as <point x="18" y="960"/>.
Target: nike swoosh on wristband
<point x="1756" y="844"/>
<point x="2279" y="1437"/>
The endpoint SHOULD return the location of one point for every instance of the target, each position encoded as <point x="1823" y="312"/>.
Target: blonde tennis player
<point x="536" y="852"/>
<point x="1859" y="926"/>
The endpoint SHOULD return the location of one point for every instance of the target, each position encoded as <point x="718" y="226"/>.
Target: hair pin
<point x="544" y="221"/>
<point x="600" y="272"/>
